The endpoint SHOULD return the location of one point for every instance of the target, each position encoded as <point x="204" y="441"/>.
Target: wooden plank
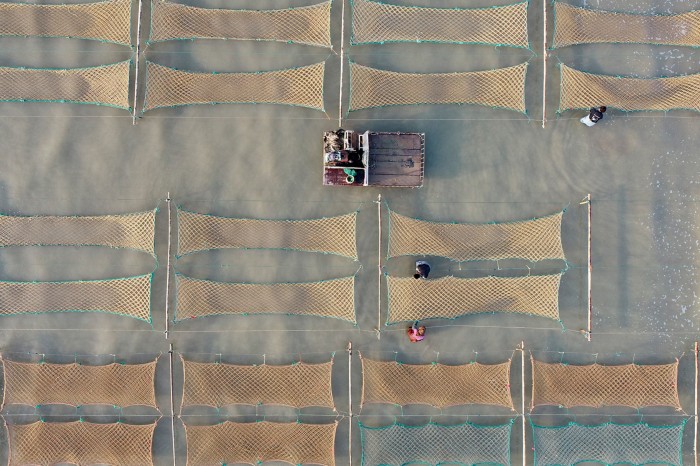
<point x="392" y="168"/>
<point x="374" y="153"/>
<point x="394" y="141"/>
<point x="415" y="159"/>
<point x="395" y="180"/>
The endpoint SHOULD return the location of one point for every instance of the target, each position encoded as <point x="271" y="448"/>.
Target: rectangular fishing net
<point x="308" y="25"/>
<point x="130" y="297"/>
<point x="533" y="240"/>
<point x="609" y="443"/>
<point x="595" y="385"/>
<point x="133" y="231"/>
<point x="575" y="25"/>
<point x="80" y="443"/>
<point x="259" y="442"/>
<point x="436" y="385"/>
<point x="298" y="385"/>
<point x="108" y="21"/>
<point x="378" y="22"/>
<point x="330" y="235"/>
<point x="100" y="85"/>
<point x="585" y="90"/>
<point x="501" y="88"/>
<point x="328" y="298"/>
<point x="435" y="444"/>
<point x="168" y="87"/>
<point x="77" y="384"/>
<point x="451" y="297"/>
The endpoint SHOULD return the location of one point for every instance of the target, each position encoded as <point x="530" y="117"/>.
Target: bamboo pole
<point x="167" y="271"/>
<point x="522" y="395"/>
<point x="544" y="65"/>
<point x="172" y="403"/>
<point x="350" y="403"/>
<point x="342" y="63"/>
<point x="379" y="266"/>
<point x="590" y="271"/>
<point x="138" y="56"/>
<point x="695" y="437"/>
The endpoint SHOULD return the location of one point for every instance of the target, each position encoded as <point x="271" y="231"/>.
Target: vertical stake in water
<point x="695" y="437"/>
<point x="544" y="65"/>
<point x="138" y="56"/>
<point x="350" y="402"/>
<point x="167" y="271"/>
<point x="522" y="395"/>
<point x="172" y="403"/>
<point x="342" y="63"/>
<point x="379" y="266"/>
<point x="590" y="271"/>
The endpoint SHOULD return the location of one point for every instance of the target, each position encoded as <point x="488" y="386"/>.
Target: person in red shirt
<point x="416" y="333"/>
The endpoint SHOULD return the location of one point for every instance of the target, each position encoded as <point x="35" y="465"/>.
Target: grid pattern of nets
<point x="108" y="21"/>
<point x="101" y="85"/>
<point x="503" y="87"/>
<point x="77" y="384"/>
<point x="168" y="87"/>
<point x="436" y="384"/>
<point x="304" y="25"/>
<point x="451" y="297"/>
<point x="466" y="444"/>
<point x="298" y="385"/>
<point x="329" y="298"/>
<point x="331" y="235"/>
<point x="574" y="25"/>
<point x="584" y="90"/>
<point x="124" y="296"/>
<point x="80" y="443"/>
<point x="374" y="22"/>
<point x="135" y="231"/>
<point x="258" y="442"/>
<point x="608" y="444"/>
<point x="597" y="385"/>
<point x="533" y="240"/>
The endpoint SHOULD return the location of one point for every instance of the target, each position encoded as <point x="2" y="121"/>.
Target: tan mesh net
<point x="298" y="385"/>
<point x="595" y="385"/>
<point x="374" y="22"/>
<point x="135" y="231"/>
<point x="436" y="384"/>
<point x="124" y="296"/>
<point x="80" y="443"/>
<point x="102" y="85"/>
<point x="303" y="25"/>
<point x="331" y="235"/>
<point x="533" y="240"/>
<point x="77" y="384"/>
<point x="201" y="298"/>
<point x="108" y="21"/>
<point x="450" y="297"/>
<point x="575" y="25"/>
<point x="584" y="90"/>
<point x="258" y="442"/>
<point x="504" y="87"/>
<point x="168" y="87"/>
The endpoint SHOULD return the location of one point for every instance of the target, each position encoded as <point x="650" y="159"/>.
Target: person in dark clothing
<point x="594" y="116"/>
<point x="422" y="270"/>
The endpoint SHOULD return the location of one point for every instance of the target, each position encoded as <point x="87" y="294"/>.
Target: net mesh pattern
<point x="101" y="85"/>
<point x="371" y="87"/>
<point x="258" y="442"/>
<point x="168" y="87"/>
<point x="80" y="443"/>
<point x="574" y="25"/>
<point x="533" y="240"/>
<point x="584" y="90"/>
<point x="608" y="444"/>
<point x="596" y="385"/>
<point x="108" y="21"/>
<point x="76" y="384"/>
<point x="466" y="444"/>
<point x="305" y="25"/>
<point x="331" y="235"/>
<point x="134" y="231"/>
<point x="298" y="385"/>
<point x="374" y="22"/>
<point x="124" y="296"/>
<point x="201" y="298"/>
<point x="451" y="297"/>
<point x="436" y="384"/>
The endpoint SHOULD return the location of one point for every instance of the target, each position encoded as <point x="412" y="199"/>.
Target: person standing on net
<point x="422" y="270"/>
<point x="594" y="116"/>
<point x="416" y="332"/>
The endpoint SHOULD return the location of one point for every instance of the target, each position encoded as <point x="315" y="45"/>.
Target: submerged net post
<point x="167" y="272"/>
<point x="379" y="271"/>
<point x="544" y="64"/>
<point x="350" y="415"/>
<point x="172" y="402"/>
<point x="522" y="398"/>
<point x="342" y="63"/>
<point x="695" y="412"/>
<point x="590" y="272"/>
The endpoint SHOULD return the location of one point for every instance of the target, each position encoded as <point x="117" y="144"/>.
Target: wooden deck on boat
<point x="396" y="159"/>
